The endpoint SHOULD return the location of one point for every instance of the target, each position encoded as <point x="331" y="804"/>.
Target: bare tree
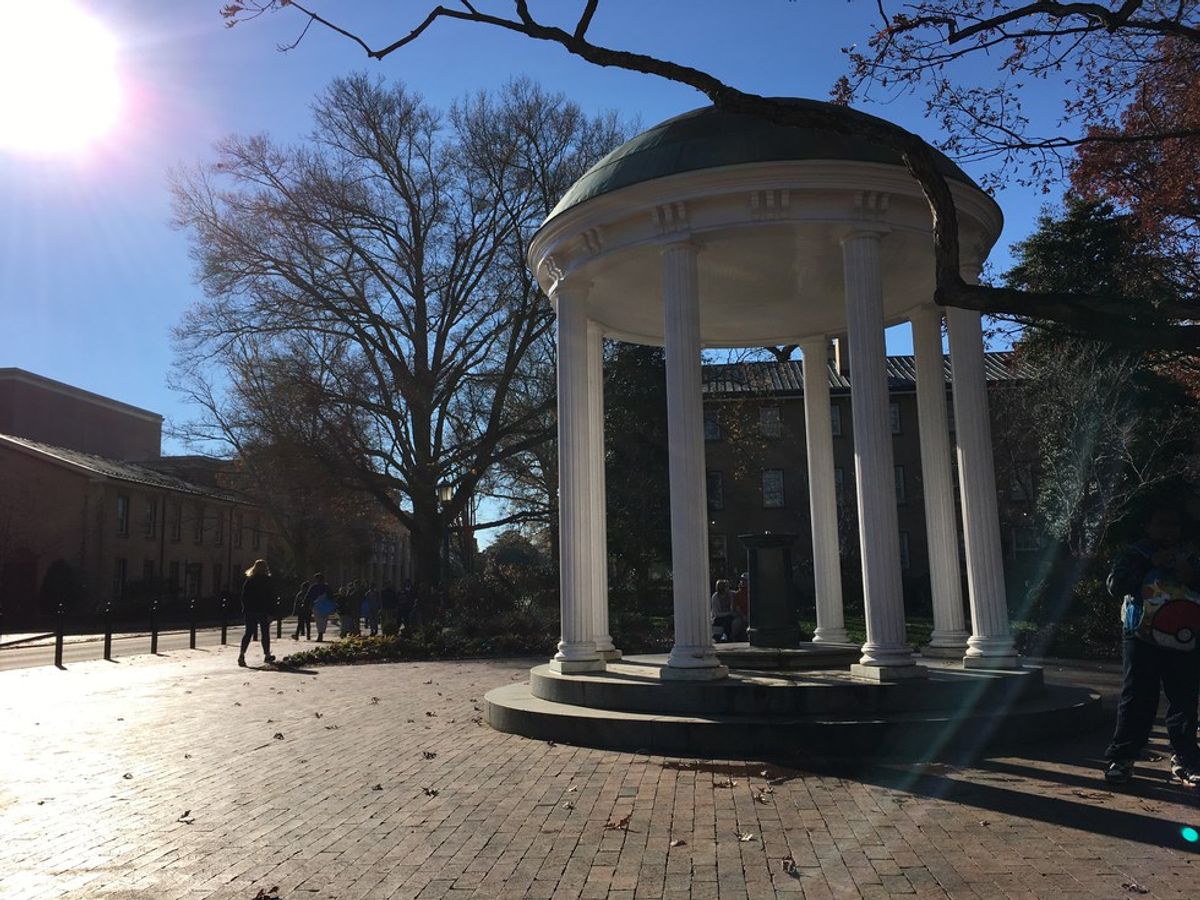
<point x="1169" y="326"/>
<point x="366" y="293"/>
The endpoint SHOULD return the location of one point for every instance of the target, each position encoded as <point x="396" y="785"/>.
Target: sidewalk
<point x="187" y="777"/>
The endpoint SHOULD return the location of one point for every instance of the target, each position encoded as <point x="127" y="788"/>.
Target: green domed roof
<point x="707" y="138"/>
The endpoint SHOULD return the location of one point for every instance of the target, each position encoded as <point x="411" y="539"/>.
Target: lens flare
<point x="59" y="88"/>
<point x="1190" y="834"/>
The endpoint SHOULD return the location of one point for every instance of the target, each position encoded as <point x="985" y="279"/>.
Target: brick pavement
<point x="381" y="781"/>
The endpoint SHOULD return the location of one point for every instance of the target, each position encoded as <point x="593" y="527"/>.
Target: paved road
<point x="183" y="777"/>
<point x="80" y="648"/>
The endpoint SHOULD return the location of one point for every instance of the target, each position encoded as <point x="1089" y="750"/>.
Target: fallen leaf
<point x="318" y="715"/>
<point x="430" y="792"/>
<point x="377" y="787"/>
<point x="551" y="744"/>
<point x="431" y="714"/>
<point x="568" y="805"/>
<point x="984" y="822"/>
<point x="187" y="756"/>
<point x="278" y="735"/>
<point x="127" y="776"/>
<point x="761" y="797"/>
<point x="374" y="700"/>
<point x="429" y="754"/>
<point x="430" y="681"/>
<point x="572" y="789"/>
<point x="745" y="838"/>
<point x="331" y="728"/>
<point x="679" y="842"/>
<point x="621" y="824"/>
<point x="1134" y="888"/>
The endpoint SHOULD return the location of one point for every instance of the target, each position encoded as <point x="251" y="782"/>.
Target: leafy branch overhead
<point x="1101" y="48"/>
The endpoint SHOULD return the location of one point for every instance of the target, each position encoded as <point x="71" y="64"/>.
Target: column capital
<point x="679" y="241"/>
<point x="814" y="343"/>
<point x="924" y="314"/>
<point x="571" y="286"/>
<point x="864" y="231"/>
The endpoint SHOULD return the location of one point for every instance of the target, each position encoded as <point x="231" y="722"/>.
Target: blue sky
<point x="92" y="276"/>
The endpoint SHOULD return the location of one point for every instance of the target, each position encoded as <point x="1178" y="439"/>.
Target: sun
<point x="59" y="89"/>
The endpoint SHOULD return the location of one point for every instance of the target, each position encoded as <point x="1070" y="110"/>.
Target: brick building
<point x="757" y="473"/>
<point x="82" y="482"/>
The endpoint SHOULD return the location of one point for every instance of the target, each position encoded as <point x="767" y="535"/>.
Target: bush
<point x="436" y="644"/>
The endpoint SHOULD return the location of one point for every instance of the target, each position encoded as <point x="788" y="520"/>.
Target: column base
<point x="698" y="663"/>
<point x="992" y="662"/>
<point x="610" y="654"/>
<point x="884" y="674"/>
<point x="576" y="666"/>
<point x="831" y="636"/>
<point x="946" y="646"/>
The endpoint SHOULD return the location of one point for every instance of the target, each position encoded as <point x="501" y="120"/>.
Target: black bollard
<point x="279" y="628"/>
<point x="224" y="622"/>
<point x="108" y="631"/>
<point x="59" y="624"/>
<point x="192" y="624"/>
<point x="153" y="627"/>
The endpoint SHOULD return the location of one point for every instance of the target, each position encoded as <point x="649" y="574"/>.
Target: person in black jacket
<point x="258" y="604"/>
<point x="1158" y="578"/>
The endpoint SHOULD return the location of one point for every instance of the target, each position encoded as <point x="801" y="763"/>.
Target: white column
<point x="991" y="643"/>
<point x="599" y="497"/>
<point x="949" y="636"/>
<point x="576" y="650"/>
<point x="692" y="656"/>
<point x="886" y="653"/>
<point x="822" y="493"/>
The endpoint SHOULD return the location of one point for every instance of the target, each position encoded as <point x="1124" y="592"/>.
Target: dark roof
<point x="134" y="473"/>
<point x="788" y="377"/>
<point x="707" y="138"/>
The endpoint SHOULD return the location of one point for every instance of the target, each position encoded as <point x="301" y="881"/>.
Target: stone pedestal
<point x="773" y="613"/>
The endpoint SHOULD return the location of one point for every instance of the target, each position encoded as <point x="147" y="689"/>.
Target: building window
<point x="198" y="525"/>
<point x="839" y="486"/>
<point x="219" y="528"/>
<point x="712" y="428"/>
<point x="122" y="515"/>
<point x="176" y="521"/>
<point x="217" y="578"/>
<point x="718" y="553"/>
<point x="1025" y="539"/>
<point x="239" y="522"/>
<point x="835" y="419"/>
<point x="715" y="484"/>
<point x="120" y="571"/>
<point x="148" y="570"/>
<point x="769" y="423"/>
<point x="150" y="519"/>
<point x="905" y="560"/>
<point x="772" y="489"/>
<point x="256" y="535"/>
<point x="173" y="577"/>
<point x="192" y="577"/>
<point x="894" y="417"/>
<point x="901" y="490"/>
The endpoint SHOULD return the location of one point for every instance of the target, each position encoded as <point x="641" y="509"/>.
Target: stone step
<point x="1055" y="711"/>
<point x="633" y="685"/>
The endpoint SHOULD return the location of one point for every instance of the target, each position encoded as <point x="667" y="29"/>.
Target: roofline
<point x="14" y="374"/>
<point x="45" y="453"/>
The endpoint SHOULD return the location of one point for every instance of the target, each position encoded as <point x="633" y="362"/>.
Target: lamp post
<point x="445" y="495"/>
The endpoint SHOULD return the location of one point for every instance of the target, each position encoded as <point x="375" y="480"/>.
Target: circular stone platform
<point x="808" y="655"/>
<point x="790" y="713"/>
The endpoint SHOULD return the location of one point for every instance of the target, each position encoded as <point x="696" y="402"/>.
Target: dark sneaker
<point x="1119" y="771"/>
<point x="1186" y="774"/>
<point x="268" y="659"/>
<point x="242" y="661"/>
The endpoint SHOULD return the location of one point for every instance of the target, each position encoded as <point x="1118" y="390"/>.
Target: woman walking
<point x="258" y="602"/>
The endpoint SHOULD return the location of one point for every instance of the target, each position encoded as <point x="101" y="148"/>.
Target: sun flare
<point x="59" y="89"/>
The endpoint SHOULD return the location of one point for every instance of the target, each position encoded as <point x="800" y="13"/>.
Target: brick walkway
<point x="186" y="777"/>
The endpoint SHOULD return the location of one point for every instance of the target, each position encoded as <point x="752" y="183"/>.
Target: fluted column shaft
<point x="576" y="649"/>
<point x="877" y="522"/>
<point x="991" y="643"/>
<point x="692" y="656"/>
<point x="941" y="522"/>
<point x="598" y="504"/>
<point x="822" y="493"/>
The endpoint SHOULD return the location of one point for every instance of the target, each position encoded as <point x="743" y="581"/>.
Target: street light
<point x="445" y="495"/>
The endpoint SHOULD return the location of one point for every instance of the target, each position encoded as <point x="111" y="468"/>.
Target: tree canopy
<point x="1034" y="39"/>
<point x="366" y="294"/>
